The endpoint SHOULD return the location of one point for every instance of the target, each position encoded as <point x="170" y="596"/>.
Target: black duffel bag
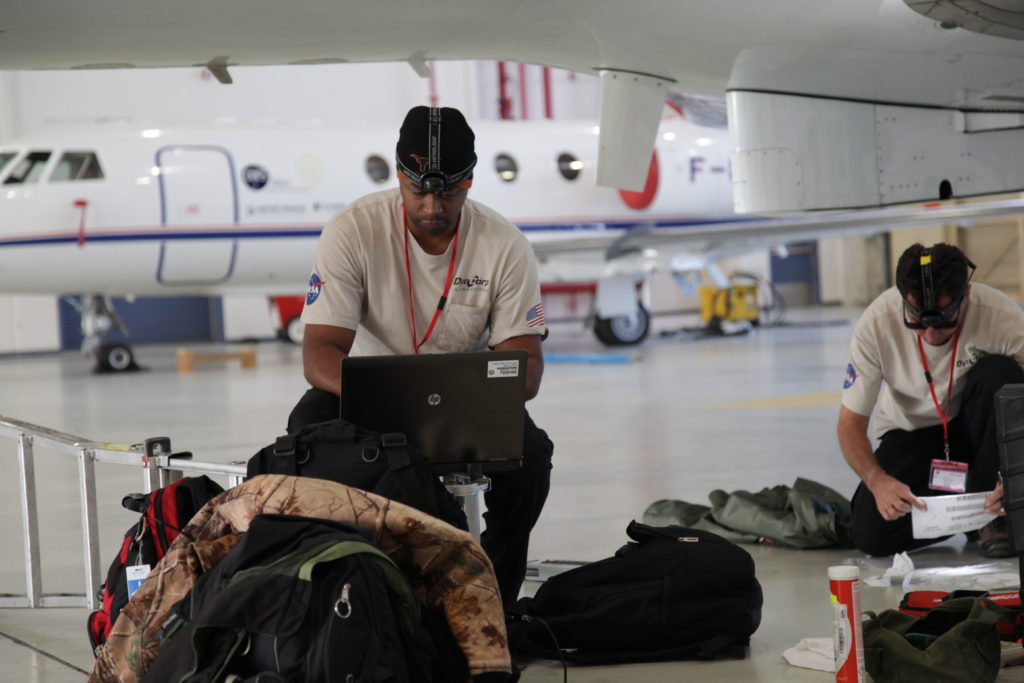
<point x="385" y="464"/>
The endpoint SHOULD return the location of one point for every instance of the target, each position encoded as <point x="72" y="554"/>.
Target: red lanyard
<point x="444" y="294"/>
<point x="944" y="416"/>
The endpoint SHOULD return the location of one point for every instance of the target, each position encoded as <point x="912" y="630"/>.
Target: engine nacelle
<point x="794" y="153"/>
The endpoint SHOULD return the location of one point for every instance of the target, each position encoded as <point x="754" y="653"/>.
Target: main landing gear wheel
<point x="115" y="358"/>
<point x="624" y="330"/>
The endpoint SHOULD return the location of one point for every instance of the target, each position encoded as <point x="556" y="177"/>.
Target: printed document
<point x="947" y="515"/>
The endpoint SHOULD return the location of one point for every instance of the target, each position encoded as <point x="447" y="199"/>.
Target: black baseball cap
<point x="436" y="149"/>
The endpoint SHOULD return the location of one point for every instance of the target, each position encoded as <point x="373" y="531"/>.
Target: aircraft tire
<point x="115" y="358"/>
<point x="293" y="330"/>
<point x="625" y="330"/>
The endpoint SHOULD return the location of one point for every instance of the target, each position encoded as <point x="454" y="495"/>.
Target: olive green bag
<point x="955" y="642"/>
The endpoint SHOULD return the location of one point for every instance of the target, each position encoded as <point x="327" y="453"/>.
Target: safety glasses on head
<point x="930" y="314"/>
<point x="433" y="179"/>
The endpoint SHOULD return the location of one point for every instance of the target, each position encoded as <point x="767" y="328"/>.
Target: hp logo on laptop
<point x="434" y="399"/>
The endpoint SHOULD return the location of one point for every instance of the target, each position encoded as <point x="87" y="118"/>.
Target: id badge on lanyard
<point x="946" y="475"/>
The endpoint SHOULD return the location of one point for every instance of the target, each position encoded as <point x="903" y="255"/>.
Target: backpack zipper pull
<point x="343" y="603"/>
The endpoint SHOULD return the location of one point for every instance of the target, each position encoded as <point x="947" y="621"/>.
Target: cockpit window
<point x="5" y="158"/>
<point x="77" y="166"/>
<point x="28" y="169"/>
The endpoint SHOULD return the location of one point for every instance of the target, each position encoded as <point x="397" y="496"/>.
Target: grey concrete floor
<point x="685" y="416"/>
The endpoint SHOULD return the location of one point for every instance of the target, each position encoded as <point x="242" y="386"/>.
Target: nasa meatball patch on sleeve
<point x="313" y="293"/>
<point x="851" y="376"/>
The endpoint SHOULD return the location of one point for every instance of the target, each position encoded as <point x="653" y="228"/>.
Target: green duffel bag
<point x="955" y="642"/>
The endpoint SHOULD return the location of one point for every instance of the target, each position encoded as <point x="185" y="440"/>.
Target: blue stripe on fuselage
<point x="164" y="235"/>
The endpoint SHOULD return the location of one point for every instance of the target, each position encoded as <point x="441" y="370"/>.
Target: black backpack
<point x="675" y="593"/>
<point x="385" y="464"/>
<point x="302" y="599"/>
<point x="164" y="513"/>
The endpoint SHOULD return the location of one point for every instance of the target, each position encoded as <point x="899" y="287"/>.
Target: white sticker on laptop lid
<point x="502" y="368"/>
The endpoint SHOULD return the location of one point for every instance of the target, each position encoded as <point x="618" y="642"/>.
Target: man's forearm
<point x="852" y="433"/>
<point x="323" y="347"/>
<point x="859" y="455"/>
<point x="322" y="368"/>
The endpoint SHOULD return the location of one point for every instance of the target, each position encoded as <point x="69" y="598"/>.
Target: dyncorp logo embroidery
<point x="466" y="283"/>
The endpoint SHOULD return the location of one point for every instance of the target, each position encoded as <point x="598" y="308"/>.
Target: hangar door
<point x="199" y="213"/>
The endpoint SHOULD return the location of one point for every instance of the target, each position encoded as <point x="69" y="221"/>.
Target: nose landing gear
<point x="98" y="319"/>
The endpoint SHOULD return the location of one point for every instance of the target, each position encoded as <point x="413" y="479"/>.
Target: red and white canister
<point x="844" y="584"/>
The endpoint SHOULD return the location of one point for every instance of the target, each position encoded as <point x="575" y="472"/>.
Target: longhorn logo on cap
<point x="422" y="161"/>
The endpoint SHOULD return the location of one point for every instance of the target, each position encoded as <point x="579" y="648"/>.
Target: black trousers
<point x="514" y="502"/>
<point x="907" y="456"/>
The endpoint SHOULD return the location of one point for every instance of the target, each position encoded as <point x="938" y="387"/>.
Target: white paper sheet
<point x="951" y="514"/>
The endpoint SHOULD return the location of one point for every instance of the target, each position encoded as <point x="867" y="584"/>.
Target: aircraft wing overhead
<point x="901" y="76"/>
<point x="723" y="238"/>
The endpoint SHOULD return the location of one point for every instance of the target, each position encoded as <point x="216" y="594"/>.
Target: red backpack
<point x="164" y="513"/>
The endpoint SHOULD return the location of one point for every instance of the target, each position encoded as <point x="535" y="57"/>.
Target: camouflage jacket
<point x="447" y="568"/>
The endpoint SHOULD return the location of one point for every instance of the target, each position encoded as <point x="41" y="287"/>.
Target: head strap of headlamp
<point x="927" y="283"/>
<point x="434" y="180"/>
<point x="929" y="314"/>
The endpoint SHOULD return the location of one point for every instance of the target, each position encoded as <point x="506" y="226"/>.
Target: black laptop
<point x="459" y="408"/>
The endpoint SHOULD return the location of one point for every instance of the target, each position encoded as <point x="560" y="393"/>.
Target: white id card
<point x="136" y="574"/>
<point x="948" y="475"/>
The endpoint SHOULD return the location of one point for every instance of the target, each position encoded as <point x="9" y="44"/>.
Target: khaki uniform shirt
<point x="885" y="363"/>
<point x="360" y="281"/>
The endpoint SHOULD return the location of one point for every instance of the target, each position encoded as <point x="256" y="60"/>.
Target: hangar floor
<point x="686" y="416"/>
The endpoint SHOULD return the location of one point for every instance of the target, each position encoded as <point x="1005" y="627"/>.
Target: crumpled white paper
<point x="902" y="565"/>
<point x="812" y="653"/>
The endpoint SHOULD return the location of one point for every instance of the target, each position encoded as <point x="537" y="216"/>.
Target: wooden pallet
<point x="187" y="358"/>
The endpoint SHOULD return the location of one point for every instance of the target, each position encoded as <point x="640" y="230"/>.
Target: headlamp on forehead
<point x="430" y="177"/>
<point x="929" y="314"/>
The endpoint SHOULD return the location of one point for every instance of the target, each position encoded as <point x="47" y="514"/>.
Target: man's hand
<point x="894" y="498"/>
<point x="994" y="501"/>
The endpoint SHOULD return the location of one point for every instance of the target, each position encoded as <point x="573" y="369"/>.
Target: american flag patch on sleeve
<point x="535" y="316"/>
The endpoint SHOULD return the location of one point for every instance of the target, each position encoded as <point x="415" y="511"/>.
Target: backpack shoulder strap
<point x="402" y="467"/>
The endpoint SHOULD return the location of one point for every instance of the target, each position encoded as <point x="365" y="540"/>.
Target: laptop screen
<point x="458" y="408"/>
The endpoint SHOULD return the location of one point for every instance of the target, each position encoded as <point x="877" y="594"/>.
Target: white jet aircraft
<point x="115" y="211"/>
<point x="834" y="104"/>
<point x="108" y="211"/>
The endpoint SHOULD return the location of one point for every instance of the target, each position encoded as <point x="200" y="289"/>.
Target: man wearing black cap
<point x="423" y="269"/>
<point x="937" y="348"/>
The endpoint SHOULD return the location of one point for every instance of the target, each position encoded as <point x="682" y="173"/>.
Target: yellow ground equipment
<point x="735" y="303"/>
